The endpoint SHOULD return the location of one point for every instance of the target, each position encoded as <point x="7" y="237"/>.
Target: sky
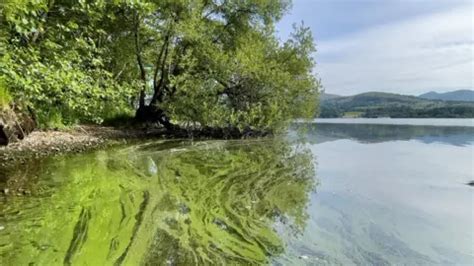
<point x="400" y="46"/>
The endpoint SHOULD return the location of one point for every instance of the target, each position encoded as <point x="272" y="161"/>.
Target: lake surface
<point x="463" y="122"/>
<point x="330" y="194"/>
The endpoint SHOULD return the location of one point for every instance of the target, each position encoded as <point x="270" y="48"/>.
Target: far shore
<point x="450" y="122"/>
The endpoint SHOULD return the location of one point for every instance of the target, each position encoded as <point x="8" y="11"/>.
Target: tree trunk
<point x="141" y="101"/>
<point x="153" y="114"/>
<point x="4" y="140"/>
<point x="14" y="126"/>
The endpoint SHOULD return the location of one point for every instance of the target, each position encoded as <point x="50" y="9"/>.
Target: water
<point x="390" y="194"/>
<point x="339" y="194"/>
<point x="462" y="122"/>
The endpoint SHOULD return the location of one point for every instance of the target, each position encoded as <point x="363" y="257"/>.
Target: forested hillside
<point x="459" y="95"/>
<point x="379" y="104"/>
<point x="175" y="62"/>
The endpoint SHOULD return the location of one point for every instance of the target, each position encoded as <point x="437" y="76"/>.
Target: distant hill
<point x="327" y="96"/>
<point x="380" y="104"/>
<point x="459" y="95"/>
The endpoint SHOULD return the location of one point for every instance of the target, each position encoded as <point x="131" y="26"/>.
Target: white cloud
<point x="413" y="56"/>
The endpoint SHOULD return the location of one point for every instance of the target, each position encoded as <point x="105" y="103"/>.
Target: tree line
<point x="211" y="63"/>
<point x="455" y="110"/>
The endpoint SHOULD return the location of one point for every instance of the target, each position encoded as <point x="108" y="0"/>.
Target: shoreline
<point x="44" y="143"/>
<point x="41" y="144"/>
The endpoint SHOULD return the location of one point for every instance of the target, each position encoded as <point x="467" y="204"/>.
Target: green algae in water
<point x="180" y="203"/>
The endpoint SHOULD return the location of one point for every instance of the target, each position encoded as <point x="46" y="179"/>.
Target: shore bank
<point x="40" y="144"/>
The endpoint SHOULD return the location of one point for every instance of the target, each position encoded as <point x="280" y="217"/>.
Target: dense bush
<point x="212" y="63"/>
<point x="53" y="65"/>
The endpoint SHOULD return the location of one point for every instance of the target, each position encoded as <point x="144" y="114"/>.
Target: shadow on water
<point x="213" y="202"/>
<point x="375" y="133"/>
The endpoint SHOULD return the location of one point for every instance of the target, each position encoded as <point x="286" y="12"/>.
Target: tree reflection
<point x="374" y="133"/>
<point x="205" y="202"/>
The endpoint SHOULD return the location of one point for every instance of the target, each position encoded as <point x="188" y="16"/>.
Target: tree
<point x="210" y="63"/>
<point x="219" y="64"/>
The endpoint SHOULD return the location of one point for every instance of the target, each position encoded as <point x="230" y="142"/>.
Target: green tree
<point x="219" y="64"/>
<point x="210" y="63"/>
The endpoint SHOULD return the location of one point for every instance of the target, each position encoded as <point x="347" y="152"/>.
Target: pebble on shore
<point x="41" y="144"/>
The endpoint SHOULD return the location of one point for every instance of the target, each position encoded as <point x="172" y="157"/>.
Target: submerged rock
<point x="152" y="169"/>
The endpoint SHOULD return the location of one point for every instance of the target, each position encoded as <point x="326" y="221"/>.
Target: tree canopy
<point x="215" y="63"/>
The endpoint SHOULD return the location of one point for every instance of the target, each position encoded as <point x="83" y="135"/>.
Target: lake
<point x="328" y="193"/>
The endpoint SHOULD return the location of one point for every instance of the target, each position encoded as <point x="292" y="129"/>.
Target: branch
<point x="37" y="33"/>
<point x="157" y="94"/>
<point x="120" y="72"/>
<point x="139" y="61"/>
<point x="159" y="59"/>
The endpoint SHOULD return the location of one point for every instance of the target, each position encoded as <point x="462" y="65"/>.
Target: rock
<point x="27" y="123"/>
<point x="471" y="183"/>
<point x="184" y="209"/>
<point x="14" y="126"/>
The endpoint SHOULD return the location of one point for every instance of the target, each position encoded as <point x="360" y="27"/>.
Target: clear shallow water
<point x="345" y="194"/>
<point x="178" y="203"/>
<point x="390" y="194"/>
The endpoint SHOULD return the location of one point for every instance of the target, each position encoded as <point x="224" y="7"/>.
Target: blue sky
<point x="401" y="46"/>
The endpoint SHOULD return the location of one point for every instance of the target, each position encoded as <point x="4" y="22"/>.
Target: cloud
<point x="429" y="52"/>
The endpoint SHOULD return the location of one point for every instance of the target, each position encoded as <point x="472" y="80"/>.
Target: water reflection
<point x="377" y="133"/>
<point x="158" y="203"/>
<point x="385" y="195"/>
<point x="388" y="194"/>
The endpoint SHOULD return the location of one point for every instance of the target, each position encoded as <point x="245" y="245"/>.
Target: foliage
<point x="5" y="96"/>
<point x="54" y="63"/>
<point x="212" y="63"/>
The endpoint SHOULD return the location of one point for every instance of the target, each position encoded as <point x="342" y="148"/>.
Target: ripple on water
<point x="160" y="203"/>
